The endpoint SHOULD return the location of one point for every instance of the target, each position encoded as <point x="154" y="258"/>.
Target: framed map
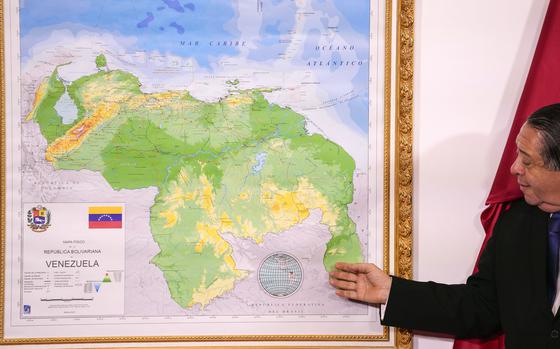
<point x="188" y="171"/>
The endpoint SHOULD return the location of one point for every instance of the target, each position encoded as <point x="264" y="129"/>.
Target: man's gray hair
<point x="547" y="122"/>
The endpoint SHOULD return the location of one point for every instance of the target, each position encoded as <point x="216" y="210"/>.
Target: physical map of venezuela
<point x="240" y="165"/>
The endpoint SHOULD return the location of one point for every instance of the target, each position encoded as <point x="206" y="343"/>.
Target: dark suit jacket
<point x="508" y="293"/>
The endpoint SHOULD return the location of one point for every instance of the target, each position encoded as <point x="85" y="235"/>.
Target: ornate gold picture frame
<point x="45" y="300"/>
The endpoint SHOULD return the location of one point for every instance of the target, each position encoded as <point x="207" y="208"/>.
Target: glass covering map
<point x="227" y="136"/>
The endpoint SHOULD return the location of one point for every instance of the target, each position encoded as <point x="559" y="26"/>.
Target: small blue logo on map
<point x="26" y="309"/>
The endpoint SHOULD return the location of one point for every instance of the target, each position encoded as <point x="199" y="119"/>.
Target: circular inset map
<point x="280" y="274"/>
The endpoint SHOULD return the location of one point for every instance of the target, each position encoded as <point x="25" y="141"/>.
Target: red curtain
<point x="541" y="88"/>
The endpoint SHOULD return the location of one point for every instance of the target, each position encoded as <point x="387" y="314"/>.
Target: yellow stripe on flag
<point x="105" y="209"/>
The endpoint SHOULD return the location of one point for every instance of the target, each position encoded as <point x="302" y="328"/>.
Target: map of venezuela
<point x="240" y="165"/>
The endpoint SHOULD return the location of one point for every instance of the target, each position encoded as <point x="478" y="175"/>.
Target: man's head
<point x="537" y="166"/>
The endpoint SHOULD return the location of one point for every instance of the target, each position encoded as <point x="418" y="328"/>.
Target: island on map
<point x="240" y="165"/>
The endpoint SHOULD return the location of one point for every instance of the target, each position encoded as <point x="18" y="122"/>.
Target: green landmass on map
<point x="239" y="165"/>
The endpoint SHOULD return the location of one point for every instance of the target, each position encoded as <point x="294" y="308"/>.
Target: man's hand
<point x="361" y="281"/>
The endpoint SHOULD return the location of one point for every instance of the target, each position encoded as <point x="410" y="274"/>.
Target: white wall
<point x="471" y="61"/>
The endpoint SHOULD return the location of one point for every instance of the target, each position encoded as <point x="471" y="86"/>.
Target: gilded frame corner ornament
<point x="399" y="63"/>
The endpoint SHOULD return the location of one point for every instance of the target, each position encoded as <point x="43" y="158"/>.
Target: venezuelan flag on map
<point x="105" y="217"/>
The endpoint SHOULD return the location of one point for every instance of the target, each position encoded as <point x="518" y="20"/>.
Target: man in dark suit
<point x="514" y="290"/>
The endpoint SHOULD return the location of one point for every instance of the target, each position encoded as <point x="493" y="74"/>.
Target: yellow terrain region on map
<point x="204" y="295"/>
<point x="77" y="134"/>
<point x="39" y="95"/>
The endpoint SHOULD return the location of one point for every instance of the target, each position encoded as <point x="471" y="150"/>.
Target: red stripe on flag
<point x="105" y="225"/>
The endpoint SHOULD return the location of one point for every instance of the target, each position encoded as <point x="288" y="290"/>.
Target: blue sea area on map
<point x="278" y="19"/>
<point x="158" y="25"/>
<point x="337" y="58"/>
<point x="146" y="21"/>
<point x="178" y="27"/>
<point x="358" y="12"/>
<point x="310" y="46"/>
<point x="359" y="107"/>
<point x="175" y="5"/>
<point x="173" y="26"/>
<point x="273" y="29"/>
<point x="359" y="111"/>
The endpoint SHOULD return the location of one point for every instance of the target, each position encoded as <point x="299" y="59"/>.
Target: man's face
<point x="540" y="186"/>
